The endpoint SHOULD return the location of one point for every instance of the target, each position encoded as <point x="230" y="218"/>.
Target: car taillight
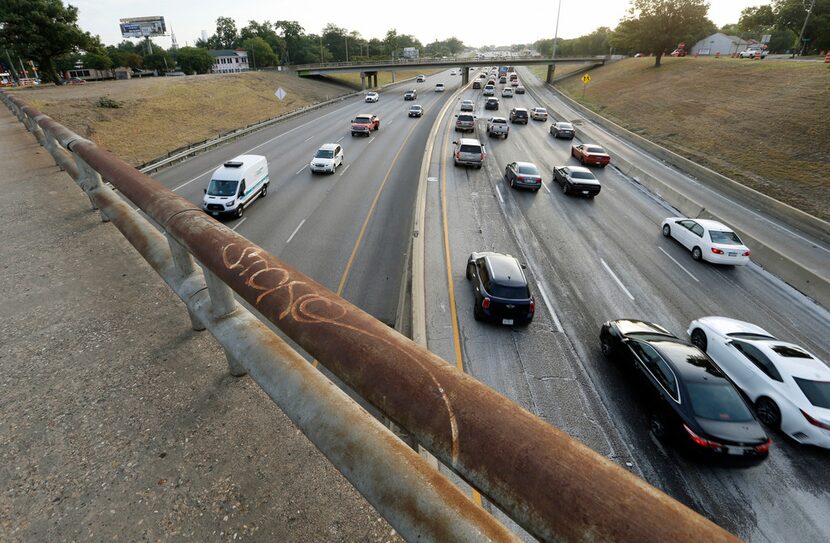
<point x="814" y="422"/>
<point x="532" y="306"/>
<point x="520" y="179"/>
<point x="485" y="303"/>
<point x="702" y="441"/>
<point x="458" y="154"/>
<point x="717" y="251"/>
<point x="763" y="447"/>
<point x="482" y="157"/>
<point x="747" y="253"/>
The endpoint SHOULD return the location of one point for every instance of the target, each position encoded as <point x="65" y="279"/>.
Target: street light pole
<point x="804" y="27"/>
<point x="347" y="47"/>
<point x="556" y="32"/>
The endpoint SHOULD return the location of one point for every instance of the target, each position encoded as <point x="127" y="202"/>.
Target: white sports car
<point x="789" y="387"/>
<point x="708" y="240"/>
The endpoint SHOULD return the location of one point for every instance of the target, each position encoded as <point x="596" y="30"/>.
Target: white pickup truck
<point x="497" y="126"/>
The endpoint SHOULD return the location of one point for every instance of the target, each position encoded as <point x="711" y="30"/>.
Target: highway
<point x="594" y="260"/>
<point x="588" y="260"/>
<point x="350" y="231"/>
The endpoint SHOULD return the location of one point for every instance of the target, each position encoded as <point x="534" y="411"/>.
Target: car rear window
<point x="511" y="293"/>
<point x="818" y="392"/>
<point x="790" y="352"/>
<point x="521" y="113"/>
<point x="582" y="175"/>
<point x="565" y="126"/>
<point x="593" y="149"/>
<point x="727" y="237"/>
<point x="529" y="169"/>
<point x="470" y="149"/>
<point x="467" y="118"/>
<point x="718" y="401"/>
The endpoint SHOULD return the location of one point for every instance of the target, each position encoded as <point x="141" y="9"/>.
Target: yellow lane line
<point x="459" y="361"/>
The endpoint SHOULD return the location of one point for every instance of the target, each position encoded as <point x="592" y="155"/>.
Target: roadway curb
<point x="809" y="282"/>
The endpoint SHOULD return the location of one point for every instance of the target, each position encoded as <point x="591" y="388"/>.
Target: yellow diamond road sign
<point x="586" y="79"/>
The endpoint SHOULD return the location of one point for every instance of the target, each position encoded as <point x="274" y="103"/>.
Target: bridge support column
<point x="465" y="75"/>
<point x="551" y="70"/>
<point x="89" y="180"/>
<point x="376" y="80"/>
<point x="223" y="304"/>
<point x="362" y="80"/>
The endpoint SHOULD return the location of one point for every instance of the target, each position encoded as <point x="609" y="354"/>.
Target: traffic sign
<point x="280" y="94"/>
<point x="586" y="79"/>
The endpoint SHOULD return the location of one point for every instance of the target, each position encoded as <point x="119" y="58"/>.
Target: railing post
<point x="185" y="267"/>
<point x="89" y="180"/>
<point x="223" y="304"/>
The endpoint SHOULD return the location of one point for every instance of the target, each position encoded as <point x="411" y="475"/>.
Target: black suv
<point x="500" y="289"/>
<point x="518" y="115"/>
<point x="492" y="103"/>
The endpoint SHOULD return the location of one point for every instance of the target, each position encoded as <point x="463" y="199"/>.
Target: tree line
<point x="47" y="32"/>
<point x="658" y="26"/>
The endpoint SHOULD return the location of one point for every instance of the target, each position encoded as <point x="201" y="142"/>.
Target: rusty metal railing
<point x="553" y="486"/>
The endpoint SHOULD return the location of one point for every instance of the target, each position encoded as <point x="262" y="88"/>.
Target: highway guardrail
<point x="553" y="486"/>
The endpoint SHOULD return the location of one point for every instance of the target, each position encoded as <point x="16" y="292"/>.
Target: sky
<point x="485" y="22"/>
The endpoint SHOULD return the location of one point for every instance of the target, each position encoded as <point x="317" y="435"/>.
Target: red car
<point x="588" y="153"/>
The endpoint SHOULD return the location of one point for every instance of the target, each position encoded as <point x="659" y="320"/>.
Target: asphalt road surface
<point x="594" y="260"/>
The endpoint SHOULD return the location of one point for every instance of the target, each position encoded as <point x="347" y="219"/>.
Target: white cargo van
<point x="235" y="185"/>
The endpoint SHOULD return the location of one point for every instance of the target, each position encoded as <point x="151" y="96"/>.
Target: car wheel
<point x="699" y="339"/>
<point x="333" y="168"/>
<point x="469" y="272"/>
<point x="582" y="160"/>
<point x="607" y="348"/>
<point x="657" y="425"/>
<point x="264" y="191"/>
<point x="697" y="254"/>
<point x="667" y="230"/>
<point x="573" y="153"/>
<point x="477" y="315"/>
<point x="512" y="184"/>
<point x="354" y="134"/>
<point x="768" y="413"/>
<point x="565" y="189"/>
<point x="240" y="211"/>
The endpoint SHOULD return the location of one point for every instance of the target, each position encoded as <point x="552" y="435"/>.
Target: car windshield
<point x="718" y="401"/>
<point x="416" y="108"/>
<point x="565" y="126"/>
<point x="595" y="150"/>
<point x="470" y="149"/>
<point x="582" y="175"/>
<point x="324" y="153"/>
<point x="511" y="293"/>
<point x="528" y="169"/>
<point x="218" y="187"/>
<point x="725" y="237"/>
<point x="818" y="392"/>
<point x="363" y="120"/>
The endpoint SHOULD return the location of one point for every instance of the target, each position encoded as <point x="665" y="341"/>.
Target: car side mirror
<point x="204" y="190"/>
<point x="524" y="266"/>
<point x="455" y="143"/>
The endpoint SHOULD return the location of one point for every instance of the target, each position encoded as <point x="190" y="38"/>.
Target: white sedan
<point x="707" y="240"/>
<point x="789" y="387"/>
<point x="372" y="97"/>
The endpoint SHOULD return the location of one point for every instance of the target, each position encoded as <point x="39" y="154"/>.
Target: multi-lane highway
<point x="588" y="260"/>
<point x="595" y="260"/>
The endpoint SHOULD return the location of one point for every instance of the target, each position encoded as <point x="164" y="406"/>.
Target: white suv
<point x="372" y="97"/>
<point x="327" y="158"/>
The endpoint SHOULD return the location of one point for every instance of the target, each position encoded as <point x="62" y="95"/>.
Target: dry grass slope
<point x="160" y="114"/>
<point x="763" y="123"/>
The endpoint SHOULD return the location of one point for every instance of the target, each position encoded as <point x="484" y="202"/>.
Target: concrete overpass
<point x="369" y="69"/>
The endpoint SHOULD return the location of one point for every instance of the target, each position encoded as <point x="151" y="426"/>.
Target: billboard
<point x="139" y="27"/>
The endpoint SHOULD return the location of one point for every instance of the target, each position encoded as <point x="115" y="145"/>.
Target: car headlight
<point x="229" y="204"/>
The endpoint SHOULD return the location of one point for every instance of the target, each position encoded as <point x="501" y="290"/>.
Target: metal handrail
<point x="552" y="485"/>
<point x="449" y="61"/>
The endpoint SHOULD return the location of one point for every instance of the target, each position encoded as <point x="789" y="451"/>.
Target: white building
<point x="230" y="60"/>
<point x="719" y="43"/>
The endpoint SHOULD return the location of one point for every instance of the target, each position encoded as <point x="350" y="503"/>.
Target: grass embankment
<point x="763" y="123"/>
<point x="158" y="114"/>
<point x="384" y="78"/>
<point x="561" y="70"/>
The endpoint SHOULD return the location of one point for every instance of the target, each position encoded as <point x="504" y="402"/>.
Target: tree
<point x="259" y="52"/>
<point x="757" y="20"/>
<point x="160" y="60"/>
<point x="42" y="30"/>
<point x="194" y="60"/>
<point x="334" y="39"/>
<point x="293" y="35"/>
<point x="391" y="42"/>
<point x="226" y="35"/>
<point x="267" y="31"/>
<point x="117" y="56"/>
<point x="790" y="14"/>
<point x="659" y="25"/>
<point x="97" y="61"/>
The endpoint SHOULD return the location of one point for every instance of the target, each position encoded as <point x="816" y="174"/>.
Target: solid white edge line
<point x="301" y="170"/>
<point x="614" y="276"/>
<point x="294" y="233"/>
<point x="678" y="263"/>
<point x="498" y="193"/>
<point x="237" y="224"/>
<point x="345" y="168"/>
<point x="194" y="179"/>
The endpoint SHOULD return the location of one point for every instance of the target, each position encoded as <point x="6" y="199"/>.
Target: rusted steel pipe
<point x="552" y="485"/>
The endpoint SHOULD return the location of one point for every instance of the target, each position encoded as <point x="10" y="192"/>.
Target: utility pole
<point x="347" y="47"/>
<point x="321" y="49"/>
<point x="556" y="32"/>
<point x="804" y="27"/>
<point x="11" y="66"/>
